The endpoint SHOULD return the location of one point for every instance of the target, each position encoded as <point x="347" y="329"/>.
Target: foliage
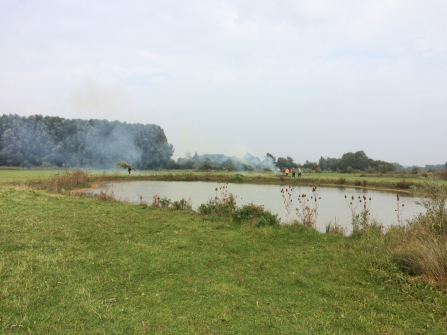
<point x="239" y="179"/>
<point x="360" y="220"/>
<point x="433" y="196"/>
<point x="255" y="213"/>
<point x="404" y="184"/>
<point x="442" y="174"/>
<point x="415" y="170"/>
<point x="31" y="141"/>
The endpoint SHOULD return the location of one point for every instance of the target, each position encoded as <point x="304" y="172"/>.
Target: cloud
<point x="314" y="75"/>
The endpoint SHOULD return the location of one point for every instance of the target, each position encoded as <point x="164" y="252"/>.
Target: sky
<point x="303" y="79"/>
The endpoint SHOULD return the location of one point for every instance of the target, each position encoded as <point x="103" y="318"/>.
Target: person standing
<point x="287" y="172"/>
<point x="299" y="173"/>
<point x="293" y="172"/>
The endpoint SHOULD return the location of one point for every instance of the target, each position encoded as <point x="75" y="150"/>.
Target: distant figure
<point x="287" y="172"/>
<point x="299" y="173"/>
<point x="293" y="172"/>
<point x="129" y="169"/>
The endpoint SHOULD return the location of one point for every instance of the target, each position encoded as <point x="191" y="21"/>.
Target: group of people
<point x="293" y="172"/>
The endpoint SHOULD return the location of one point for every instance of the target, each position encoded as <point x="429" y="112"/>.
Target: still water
<point x="333" y="203"/>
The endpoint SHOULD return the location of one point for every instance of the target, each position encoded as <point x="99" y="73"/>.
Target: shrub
<point x="105" y="195"/>
<point x="267" y="219"/>
<point x="415" y="169"/>
<point x="370" y="170"/>
<point x="237" y="179"/>
<point x="442" y="174"/>
<point x="205" y="166"/>
<point x="213" y="207"/>
<point x="67" y="180"/>
<point x="190" y="176"/>
<point x="341" y="181"/>
<point x="364" y="182"/>
<point x="403" y="184"/>
<point x="248" y="212"/>
<point x="357" y="183"/>
<point x="349" y="170"/>
<point x="182" y="205"/>
<point x="261" y="216"/>
<point x="164" y="202"/>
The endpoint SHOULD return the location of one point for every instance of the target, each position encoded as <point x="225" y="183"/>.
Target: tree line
<point x="53" y="141"/>
<point x="349" y="162"/>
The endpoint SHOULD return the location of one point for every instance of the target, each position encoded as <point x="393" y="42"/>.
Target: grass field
<point x="73" y="265"/>
<point x="32" y="177"/>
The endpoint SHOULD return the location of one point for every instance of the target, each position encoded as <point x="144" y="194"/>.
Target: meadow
<point x="72" y="264"/>
<point x="398" y="182"/>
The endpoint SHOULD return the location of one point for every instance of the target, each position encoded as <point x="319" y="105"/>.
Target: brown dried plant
<point x="67" y="180"/>
<point x="399" y="211"/>
<point x="106" y="195"/>
<point x="155" y="201"/>
<point x="225" y="196"/>
<point x="308" y="208"/>
<point x="287" y="199"/>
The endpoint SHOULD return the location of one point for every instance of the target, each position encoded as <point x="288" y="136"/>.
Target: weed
<point x="341" y="181"/>
<point x="403" y="184"/>
<point x="155" y="201"/>
<point x="442" y="174"/>
<point x="335" y="228"/>
<point x="399" y="211"/>
<point x="359" y="220"/>
<point x="182" y="205"/>
<point x="308" y="209"/>
<point x="164" y="202"/>
<point x="67" y="180"/>
<point x="143" y="203"/>
<point x="287" y="199"/>
<point x="258" y="214"/>
<point x="105" y="195"/>
<point x="237" y="179"/>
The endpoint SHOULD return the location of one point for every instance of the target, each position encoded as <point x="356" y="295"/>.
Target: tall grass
<point x="67" y="181"/>
<point x="420" y="247"/>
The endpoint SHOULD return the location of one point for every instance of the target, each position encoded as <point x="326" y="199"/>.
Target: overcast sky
<point x="294" y="78"/>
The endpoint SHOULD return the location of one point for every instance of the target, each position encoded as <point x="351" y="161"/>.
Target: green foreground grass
<point x="78" y="265"/>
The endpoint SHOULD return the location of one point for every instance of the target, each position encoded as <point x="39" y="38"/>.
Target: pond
<point x="332" y="204"/>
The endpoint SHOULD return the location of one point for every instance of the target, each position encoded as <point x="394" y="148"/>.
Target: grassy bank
<point x="78" y="265"/>
<point x="37" y="178"/>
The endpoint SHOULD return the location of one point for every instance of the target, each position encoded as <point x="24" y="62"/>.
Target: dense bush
<point x="252" y="212"/>
<point x="404" y="184"/>
<point x="442" y="174"/>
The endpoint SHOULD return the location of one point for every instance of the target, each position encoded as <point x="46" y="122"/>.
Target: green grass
<point x="34" y="177"/>
<point x="74" y="265"/>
